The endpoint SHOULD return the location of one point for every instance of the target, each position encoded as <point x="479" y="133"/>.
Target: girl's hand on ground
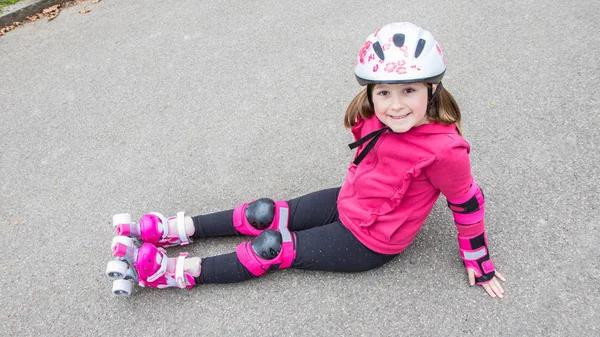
<point x="493" y="288"/>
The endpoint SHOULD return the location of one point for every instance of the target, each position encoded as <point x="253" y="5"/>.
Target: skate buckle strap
<point x="179" y="270"/>
<point x="181" y="228"/>
<point x="163" y="266"/>
<point x="181" y="233"/>
<point x="164" y="224"/>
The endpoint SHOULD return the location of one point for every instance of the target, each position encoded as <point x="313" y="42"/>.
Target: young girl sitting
<point x="409" y="148"/>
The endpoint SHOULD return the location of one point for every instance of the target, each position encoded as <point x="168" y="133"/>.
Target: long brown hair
<point x="444" y="109"/>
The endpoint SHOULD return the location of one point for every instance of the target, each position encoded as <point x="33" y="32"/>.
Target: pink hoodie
<point x="387" y="197"/>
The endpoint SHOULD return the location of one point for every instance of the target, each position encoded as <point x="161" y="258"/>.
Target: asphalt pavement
<point x="139" y="106"/>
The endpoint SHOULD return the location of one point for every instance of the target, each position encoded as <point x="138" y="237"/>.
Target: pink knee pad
<point x="269" y="250"/>
<point x="476" y="256"/>
<point x="254" y="217"/>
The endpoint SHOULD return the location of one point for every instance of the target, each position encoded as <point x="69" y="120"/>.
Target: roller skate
<point x="148" y="266"/>
<point x="154" y="228"/>
<point x="137" y="259"/>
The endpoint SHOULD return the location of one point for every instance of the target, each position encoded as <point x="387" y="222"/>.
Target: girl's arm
<point x="451" y="174"/>
<point x="468" y="211"/>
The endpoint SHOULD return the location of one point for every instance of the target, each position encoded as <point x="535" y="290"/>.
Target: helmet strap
<point x="370" y="95"/>
<point x="431" y="97"/>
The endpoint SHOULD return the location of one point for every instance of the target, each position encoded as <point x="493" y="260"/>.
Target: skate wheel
<point x="126" y="240"/>
<point x="116" y="269"/>
<point x="121" y="219"/>
<point x="122" y="287"/>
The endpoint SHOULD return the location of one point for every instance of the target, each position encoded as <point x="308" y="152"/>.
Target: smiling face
<point x="401" y="106"/>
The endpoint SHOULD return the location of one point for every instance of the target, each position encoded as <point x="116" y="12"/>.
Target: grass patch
<point x="6" y="3"/>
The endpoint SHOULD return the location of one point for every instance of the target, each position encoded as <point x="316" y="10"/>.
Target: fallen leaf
<point x="52" y="14"/>
<point x="85" y="10"/>
<point x="33" y="17"/>
<point x="50" y="9"/>
<point x="16" y="222"/>
<point x="96" y="1"/>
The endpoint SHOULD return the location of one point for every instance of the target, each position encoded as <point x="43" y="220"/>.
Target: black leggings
<point x="322" y="242"/>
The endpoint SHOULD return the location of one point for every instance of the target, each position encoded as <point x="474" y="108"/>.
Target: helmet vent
<point x="378" y="50"/>
<point x="420" y="46"/>
<point x="398" y="40"/>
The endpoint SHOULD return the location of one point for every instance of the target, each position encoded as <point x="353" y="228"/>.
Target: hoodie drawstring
<point x="373" y="135"/>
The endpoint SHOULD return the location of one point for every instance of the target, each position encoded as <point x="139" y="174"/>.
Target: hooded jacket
<point x="385" y="199"/>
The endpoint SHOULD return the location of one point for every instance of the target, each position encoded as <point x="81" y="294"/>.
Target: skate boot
<point x="154" y="228"/>
<point x="148" y="266"/>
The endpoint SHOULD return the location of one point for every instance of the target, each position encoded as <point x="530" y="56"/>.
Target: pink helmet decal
<point x="400" y="53"/>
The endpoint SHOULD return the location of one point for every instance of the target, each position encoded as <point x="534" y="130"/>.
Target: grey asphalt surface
<point x="199" y="106"/>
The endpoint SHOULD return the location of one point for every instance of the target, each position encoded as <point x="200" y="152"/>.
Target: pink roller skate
<point x="154" y="228"/>
<point x="149" y="266"/>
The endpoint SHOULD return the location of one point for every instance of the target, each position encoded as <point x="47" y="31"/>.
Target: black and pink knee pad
<point x="252" y="218"/>
<point x="270" y="250"/>
<point x="275" y="246"/>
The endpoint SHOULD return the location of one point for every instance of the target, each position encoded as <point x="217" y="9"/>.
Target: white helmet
<point x="400" y="53"/>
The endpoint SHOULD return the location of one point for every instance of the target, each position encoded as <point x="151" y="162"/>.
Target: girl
<point x="409" y="149"/>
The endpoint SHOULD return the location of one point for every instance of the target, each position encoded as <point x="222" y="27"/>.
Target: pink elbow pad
<point x="475" y="254"/>
<point x="469" y="209"/>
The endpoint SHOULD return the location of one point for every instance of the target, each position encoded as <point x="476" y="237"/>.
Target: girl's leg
<point x="250" y="218"/>
<point x="224" y="268"/>
<point x="314" y="209"/>
<point x="331" y="247"/>
<point x="334" y="248"/>
<point x="214" y="224"/>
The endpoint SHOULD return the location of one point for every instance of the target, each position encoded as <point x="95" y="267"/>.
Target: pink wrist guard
<point x="475" y="255"/>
